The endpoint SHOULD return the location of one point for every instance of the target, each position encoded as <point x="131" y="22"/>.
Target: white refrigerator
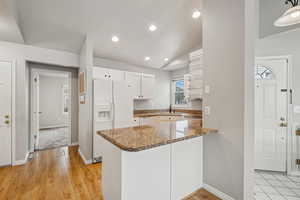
<point x="113" y="108"/>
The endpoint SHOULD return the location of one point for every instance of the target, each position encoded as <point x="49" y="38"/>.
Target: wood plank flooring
<point x="58" y="174"/>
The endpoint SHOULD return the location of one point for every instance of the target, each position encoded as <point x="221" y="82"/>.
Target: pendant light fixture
<point x="291" y="16"/>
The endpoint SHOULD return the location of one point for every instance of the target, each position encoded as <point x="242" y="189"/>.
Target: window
<point x="178" y="92"/>
<point x="264" y="73"/>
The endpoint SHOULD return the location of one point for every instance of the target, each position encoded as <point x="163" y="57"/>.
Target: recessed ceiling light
<point x="152" y="27"/>
<point x="115" y="39"/>
<point x="166" y="59"/>
<point x="147" y="58"/>
<point x="196" y="14"/>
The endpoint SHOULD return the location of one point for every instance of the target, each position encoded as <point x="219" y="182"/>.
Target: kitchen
<point x="138" y="80"/>
<point x="130" y="142"/>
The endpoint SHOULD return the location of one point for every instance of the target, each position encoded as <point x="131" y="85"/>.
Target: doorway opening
<point x="275" y="149"/>
<point x="52" y="95"/>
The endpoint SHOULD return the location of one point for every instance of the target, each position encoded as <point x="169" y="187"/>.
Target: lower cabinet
<point x="169" y="172"/>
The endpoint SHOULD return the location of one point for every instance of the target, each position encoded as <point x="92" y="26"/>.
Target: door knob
<point x="7" y="122"/>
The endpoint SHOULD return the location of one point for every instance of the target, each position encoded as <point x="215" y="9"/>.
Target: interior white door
<point x="5" y="113"/>
<point x="271" y="114"/>
<point x="35" y="109"/>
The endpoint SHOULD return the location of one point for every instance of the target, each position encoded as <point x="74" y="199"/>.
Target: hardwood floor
<point x="202" y="195"/>
<point x="58" y="174"/>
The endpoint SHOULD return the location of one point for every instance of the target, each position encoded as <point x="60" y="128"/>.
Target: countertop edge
<point x="122" y="147"/>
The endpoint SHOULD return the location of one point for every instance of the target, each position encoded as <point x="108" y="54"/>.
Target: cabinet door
<point x="134" y="81"/>
<point x="148" y="86"/>
<point x="116" y="75"/>
<point x="100" y="73"/>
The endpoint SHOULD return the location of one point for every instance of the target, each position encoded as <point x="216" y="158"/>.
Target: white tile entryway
<point x="52" y="138"/>
<point x="276" y="186"/>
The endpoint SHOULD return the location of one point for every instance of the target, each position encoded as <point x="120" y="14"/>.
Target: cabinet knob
<point x="6" y="116"/>
<point x="7" y="122"/>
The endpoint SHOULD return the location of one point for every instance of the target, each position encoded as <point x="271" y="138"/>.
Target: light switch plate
<point x="207" y="110"/>
<point x="207" y="89"/>
<point x="297" y="109"/>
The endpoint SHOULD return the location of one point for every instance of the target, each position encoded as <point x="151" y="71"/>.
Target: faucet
<point x="171" y="110"/>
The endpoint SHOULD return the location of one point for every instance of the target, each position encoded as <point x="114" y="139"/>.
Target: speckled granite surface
<point x="155" y="133"/>
<point x="178" y="112"/>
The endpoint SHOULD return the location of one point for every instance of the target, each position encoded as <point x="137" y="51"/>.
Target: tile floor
<point x="52" y="138"/>
<point x="276" y="186"/>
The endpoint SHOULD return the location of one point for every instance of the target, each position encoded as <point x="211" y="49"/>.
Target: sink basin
<point x="168" y="118"/>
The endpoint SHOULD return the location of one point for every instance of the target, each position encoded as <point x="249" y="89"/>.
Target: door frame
<point x="289" y="105"/>
<point x="13" y="107"/>
<point x="43" y="71"/>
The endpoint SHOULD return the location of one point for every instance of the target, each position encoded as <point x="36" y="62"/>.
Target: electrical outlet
<point x="207" y="89"/>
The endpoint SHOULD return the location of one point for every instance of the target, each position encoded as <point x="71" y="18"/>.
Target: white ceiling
<point x="9" y="29"/>
<point x="63" y="25"/>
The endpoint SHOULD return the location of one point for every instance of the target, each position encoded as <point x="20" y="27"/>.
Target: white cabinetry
<point x="142" y="84"/>
<point x="134" y="81"/>
<point x="112" y="74"/>
<point x="196" y="75"/>
<point x="147" y="87"/>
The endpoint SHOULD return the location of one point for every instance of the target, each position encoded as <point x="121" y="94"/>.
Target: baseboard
<point x="87" y="162"/>
<point x="217" y="192"/>
<point x="74" y="144"/>
<point x="21" y="162"/>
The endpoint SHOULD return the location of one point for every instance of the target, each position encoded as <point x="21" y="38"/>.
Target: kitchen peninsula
<point x="161" y="160"/>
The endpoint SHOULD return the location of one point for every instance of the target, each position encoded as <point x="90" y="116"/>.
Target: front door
<point x="5" y="113"/>
<point x="271" y="114"/>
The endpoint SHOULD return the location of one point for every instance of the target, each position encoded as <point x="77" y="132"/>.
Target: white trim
<point x="57" y="73"/>
<point x="289" y="106"/>
<point x="87" y="162"/>
<point x="217" y="192"/>
<point x="21" y="162"/>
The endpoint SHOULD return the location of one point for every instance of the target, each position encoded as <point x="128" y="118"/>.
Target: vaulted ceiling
<point x="64" y="24"/>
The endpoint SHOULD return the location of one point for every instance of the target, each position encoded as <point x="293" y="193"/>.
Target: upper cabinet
<point x="148" y="85"/>
<point x="195" y="77"/>
<point x="134" y="81"/>
<point x="142" y="84"/>
<point x="111" y="74"/>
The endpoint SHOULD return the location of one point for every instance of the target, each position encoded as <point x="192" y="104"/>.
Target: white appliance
<point x="113" y="108"/>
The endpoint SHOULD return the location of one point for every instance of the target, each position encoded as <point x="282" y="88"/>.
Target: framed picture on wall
<point x="82" y="84"/>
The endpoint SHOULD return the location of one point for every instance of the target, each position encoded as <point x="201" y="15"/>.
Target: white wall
<point x="21" y="54"/>
<point x="85" y="110"/>
<point x="285" y="44"/>
<point x="228" y="61"/>
<point x="51" y="101"/>
<point x="162" y="84"/>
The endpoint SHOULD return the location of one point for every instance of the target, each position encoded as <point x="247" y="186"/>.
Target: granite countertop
<point x="155" y="133"/>
<point x="187" y="115"/>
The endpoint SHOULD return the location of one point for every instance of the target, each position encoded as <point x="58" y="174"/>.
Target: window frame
<point x="173" y="92"/>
